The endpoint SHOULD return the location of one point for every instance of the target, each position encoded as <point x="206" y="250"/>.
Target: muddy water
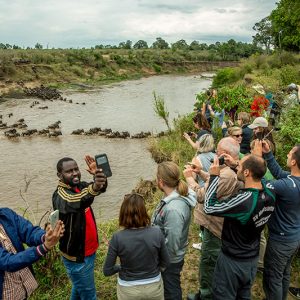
<point x="124" y="106"/>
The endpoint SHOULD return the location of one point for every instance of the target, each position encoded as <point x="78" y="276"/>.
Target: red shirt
<point x="91" y="240"/>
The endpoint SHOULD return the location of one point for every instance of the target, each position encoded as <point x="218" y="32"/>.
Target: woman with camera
<point x="142" y="252"/>
<point x="200" y="123"/>
<point x="173" y="216"/>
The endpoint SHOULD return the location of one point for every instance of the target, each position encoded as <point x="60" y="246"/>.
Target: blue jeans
<point x="277" y="268"/>
<point x="82" y="277"/>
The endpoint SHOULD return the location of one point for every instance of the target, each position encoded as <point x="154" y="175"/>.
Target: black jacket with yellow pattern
<point x="71" y="206"/>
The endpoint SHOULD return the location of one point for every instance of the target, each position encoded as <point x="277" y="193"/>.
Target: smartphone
<point x="102" y="163"/>
<point x="53" y="218"/>
<point x="259" y="135"/>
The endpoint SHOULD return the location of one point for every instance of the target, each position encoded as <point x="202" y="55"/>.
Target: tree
<point x="99" y="46"/>
<point x="181" y="45"/>
<point x="285" y="25"/>
<point x="125" y="45"/>
<point x="264" y="35"/>
<point x="160" y="44"/>
<point x="140" y="45"/>
<point x="38" y="46"/>
<point x="194" y="45"/>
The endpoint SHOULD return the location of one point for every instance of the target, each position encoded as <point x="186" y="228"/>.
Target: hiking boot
<point x="295" y="292"/>
<point x="196" y="296"/>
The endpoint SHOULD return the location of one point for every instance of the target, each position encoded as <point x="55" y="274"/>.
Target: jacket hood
<point x="190" y="199"/>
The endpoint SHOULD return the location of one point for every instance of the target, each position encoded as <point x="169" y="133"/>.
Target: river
<point x="123" y="106"/>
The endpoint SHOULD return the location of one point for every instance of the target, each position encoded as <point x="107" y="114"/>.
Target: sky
<point x="86" y="23"/>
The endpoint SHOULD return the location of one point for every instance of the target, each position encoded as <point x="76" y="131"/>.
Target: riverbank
<point x="86" y="69"/>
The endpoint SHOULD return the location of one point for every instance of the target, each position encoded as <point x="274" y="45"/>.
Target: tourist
<point x="16" y="276"/>
<point x="211" y="236"/>
<point x="284" y="226"/>
<point x="243" y="120"/>
<point x="261" y="131"/>
<point x="211" y="94"/>
<point x="245" y="215"/>
<point x="173" y="216"/>
<point x="73" y="198"/>
<point x="202" y="125"/>
<point x="205" y="153"/>
<point x="142" y="252"/>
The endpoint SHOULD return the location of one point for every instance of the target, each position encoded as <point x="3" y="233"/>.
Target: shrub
<point x="289" y="74"/>
<point x="157" y="68"/>
<point x="78" y="71"/>
<point x="289" y="134"/>
<point x="225" y="76"/>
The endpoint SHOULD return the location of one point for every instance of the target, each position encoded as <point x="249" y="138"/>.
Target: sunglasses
<point x="238" y="135"/>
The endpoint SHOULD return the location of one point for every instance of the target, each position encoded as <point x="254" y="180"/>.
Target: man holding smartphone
<point x="73" y="198"/>
<point x="16" y="277"/>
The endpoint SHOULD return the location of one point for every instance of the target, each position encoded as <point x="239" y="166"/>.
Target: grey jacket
<point x="173" y="216"/>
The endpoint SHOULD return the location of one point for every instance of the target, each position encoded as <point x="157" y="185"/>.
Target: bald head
<point x="230" y="146"/>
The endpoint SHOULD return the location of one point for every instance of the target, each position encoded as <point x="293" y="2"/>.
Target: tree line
<point x="281" y="29"/>
<point x="225" y="50"/>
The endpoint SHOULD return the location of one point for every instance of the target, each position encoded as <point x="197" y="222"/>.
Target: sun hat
<point x="259" y="122"/>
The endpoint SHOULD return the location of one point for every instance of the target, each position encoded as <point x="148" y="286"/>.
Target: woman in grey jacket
<point x="173" y="216"/>
<point x="142" y="252"/>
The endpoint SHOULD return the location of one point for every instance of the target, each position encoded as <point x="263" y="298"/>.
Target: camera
<point x="190" y="133"/>
<point x="221" y="160"/>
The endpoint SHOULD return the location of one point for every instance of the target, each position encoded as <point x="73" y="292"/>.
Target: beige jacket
<point x="228" y="185"/>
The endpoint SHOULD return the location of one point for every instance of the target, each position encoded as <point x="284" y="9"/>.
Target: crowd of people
<point x="234" y="189"/>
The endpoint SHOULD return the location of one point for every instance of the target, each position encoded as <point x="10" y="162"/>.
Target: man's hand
<point x="265" y="147"/>
<point x="99" y="180"/>
<point x="91" y="163"/>
<point x="257" y="150"/>
<point x="215" y="167"/>
<point x="188" y="171"/>
<point x="229" y="160"/>
<point x="52" y="236"/>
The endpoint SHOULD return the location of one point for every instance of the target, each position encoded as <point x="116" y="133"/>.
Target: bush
<point x="289" y="74"/>
<point x="225" y="76"/>
<point x="289" y="134"/>
<point x="78" y="71"/>
<point x="157" y="68"/>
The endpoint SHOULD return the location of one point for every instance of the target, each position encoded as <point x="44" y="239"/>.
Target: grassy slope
<point x="94" y="67"/>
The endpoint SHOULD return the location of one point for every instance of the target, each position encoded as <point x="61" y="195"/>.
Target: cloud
<point x="74" y="23"/>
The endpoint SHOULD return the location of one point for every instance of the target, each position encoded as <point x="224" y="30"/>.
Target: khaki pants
<point x="262" y="249"/>
<point x="151" y="291"/>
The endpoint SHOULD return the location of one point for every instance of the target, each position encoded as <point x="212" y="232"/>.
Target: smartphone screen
<point x="102" y="163"/>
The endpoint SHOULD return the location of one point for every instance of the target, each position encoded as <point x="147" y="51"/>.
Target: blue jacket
<point x="284" y="225"/>
<point x="20" y="231"/>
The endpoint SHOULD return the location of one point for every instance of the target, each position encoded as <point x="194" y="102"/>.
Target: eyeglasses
<point x="238" y="135"/>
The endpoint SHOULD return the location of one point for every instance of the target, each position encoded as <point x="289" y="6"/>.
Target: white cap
<point x="259" y="122"/>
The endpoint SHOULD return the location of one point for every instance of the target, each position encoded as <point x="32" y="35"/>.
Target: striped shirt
<point x="20" y="284"/>
<point x="245" y="215"/>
